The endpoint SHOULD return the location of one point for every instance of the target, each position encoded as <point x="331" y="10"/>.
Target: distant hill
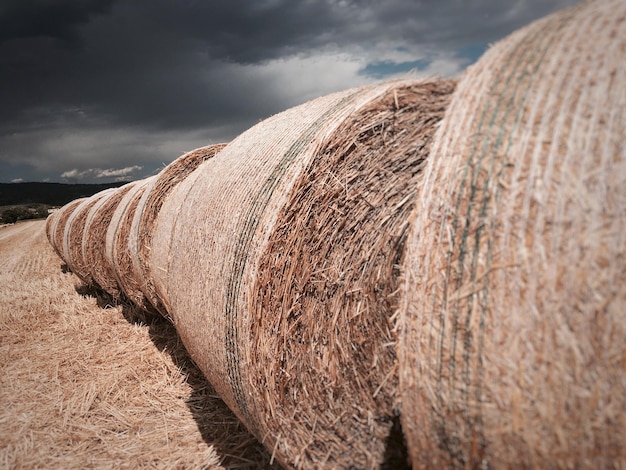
<point x="52" y="194"/>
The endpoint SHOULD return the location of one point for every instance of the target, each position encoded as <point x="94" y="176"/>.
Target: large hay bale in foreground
<point x="74" y="233"/>
<point x="146" y="213"/>
<point x="278" y="259"/>
<point x="513" y="349"/>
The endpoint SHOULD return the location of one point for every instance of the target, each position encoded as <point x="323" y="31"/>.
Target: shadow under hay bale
<point x="217" y="424"/>
<point x="281" y="270"/>
<point x="512" y="353"/>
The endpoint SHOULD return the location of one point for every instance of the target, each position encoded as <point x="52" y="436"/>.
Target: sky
<point x="96" y="91"/>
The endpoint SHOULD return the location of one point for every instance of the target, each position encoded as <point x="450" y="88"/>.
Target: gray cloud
<point x="116" y="83"/>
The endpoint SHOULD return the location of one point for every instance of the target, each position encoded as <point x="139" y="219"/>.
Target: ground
<point x="84" y="384"/>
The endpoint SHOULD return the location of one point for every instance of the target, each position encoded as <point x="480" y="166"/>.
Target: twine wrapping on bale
<point x="147" y="211"/>
<point x="278" y="208"/>
<point x="121" y="248"/>
<point x="74" y="232"/>
<point x="513" y="351"/>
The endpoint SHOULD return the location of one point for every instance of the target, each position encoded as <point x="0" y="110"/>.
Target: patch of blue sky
<point x="472" y="52"/>
<point x="384" y="68"/>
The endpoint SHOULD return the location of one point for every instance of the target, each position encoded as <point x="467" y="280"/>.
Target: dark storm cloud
<point x="74" y="70"/>
<point x="57" y="19"/>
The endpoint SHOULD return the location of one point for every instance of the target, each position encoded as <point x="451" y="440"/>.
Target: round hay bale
<point x="94" y="236"/>
<point x="121" y="248"/>
<point x="62" y="216"/>
<point x="513" y="344"/>
<point x="51" y="221"/>
<point x="282" y="274"/>
<point x="146" y="213"/>
<point x="119" y="209"/>
<point x="67" y="234"/>
<point x="74" y="232"/>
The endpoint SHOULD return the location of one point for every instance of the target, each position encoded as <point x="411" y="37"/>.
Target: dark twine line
<point x="476" y="422"/>
<point x="242" y="249"/>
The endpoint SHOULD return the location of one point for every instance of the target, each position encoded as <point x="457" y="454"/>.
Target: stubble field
<point x="87" y="384"/>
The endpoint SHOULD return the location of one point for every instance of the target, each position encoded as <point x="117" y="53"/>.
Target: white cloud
<point x="120" y="174"/>
<point x="74" y="174"/>
<point x="17" y="180"/>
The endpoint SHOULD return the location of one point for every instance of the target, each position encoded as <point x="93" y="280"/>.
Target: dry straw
<point x="513" y="349"/>
<point x="281" y="269"/>
<point x="82" y="388"/>
<point x="146" y="213"/>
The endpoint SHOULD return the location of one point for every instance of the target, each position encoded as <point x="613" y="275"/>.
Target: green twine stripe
<point x="475" y="171"/>
<point x="246" y="233"/>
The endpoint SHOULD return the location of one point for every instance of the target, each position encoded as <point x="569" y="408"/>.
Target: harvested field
<point x="513" y="350"/>
<point x="82" y="387"/>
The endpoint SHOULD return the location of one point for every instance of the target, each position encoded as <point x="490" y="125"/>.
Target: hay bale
<point x="121" y="256"/>
<point x="513" y="348"/>
<point x="146" y="213"/>
<point x="51" y="221"/>
<point x="62" y="216"/>
<point x="94" y="236"/>
<point x="94" y="241"/>
<point x="74" y="233"/>
<point x="112" y="229"/>
<point x="67" y="234"/>
<point x="51" y="226"/>
<point x="267" y="267"/>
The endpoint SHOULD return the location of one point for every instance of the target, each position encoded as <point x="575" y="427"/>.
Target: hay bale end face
<point x="282" y="204"/>
<point x="513" y="351"/>
<point x="326" y="286"/>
